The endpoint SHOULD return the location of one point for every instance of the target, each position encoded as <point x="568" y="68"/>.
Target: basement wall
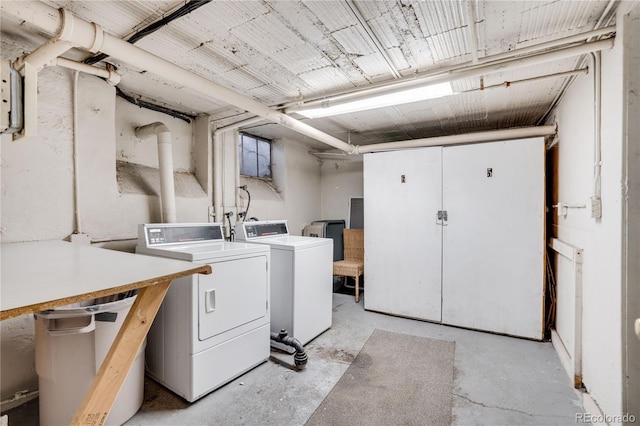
<point x="341" y="180"/>
<point x="294" y="192"/>
<point x="37" y="187"/>
<point x="600" y="239"/>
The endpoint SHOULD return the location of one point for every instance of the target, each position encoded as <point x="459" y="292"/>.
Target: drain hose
<point x="300" y="357"/>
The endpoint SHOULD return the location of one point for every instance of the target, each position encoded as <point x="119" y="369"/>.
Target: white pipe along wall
<point x="81" y="33"/>
<point x="477" y="137"/>
<point x="218" y="163"/>
<point x="90" y="36"/>
<point x="165" y="166"/>
<point x="111" y="76"/>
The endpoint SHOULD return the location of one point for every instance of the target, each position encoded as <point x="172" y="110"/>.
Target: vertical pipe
<point x="165" y="165"/>
<point x="597" y="155"/>
<point x="76" y="160"/>
<point x="217" y="176"/>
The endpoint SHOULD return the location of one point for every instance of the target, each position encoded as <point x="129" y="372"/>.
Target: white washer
<point x="210" y="329"/>
<point x="301" y="278"/>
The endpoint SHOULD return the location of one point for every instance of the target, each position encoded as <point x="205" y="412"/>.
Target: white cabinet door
<point x="494" y="240"/>
<point x="235" y="295"/>
<point x="402" y="194"/>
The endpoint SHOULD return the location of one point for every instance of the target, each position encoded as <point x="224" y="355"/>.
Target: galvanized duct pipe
<point x="165" y="166"/>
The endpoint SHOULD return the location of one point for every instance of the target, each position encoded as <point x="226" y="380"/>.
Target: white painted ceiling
<point x="283" y="52"/>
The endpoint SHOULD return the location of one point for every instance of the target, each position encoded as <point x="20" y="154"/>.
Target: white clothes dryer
<point x="301" y="278"/>
<point x="213" y="328"/>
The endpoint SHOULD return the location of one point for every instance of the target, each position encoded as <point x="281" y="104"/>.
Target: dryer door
<point x="233" y="295"/>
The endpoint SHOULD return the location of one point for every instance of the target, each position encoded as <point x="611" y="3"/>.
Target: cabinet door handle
<point x="210" y="300"/>
<point x="442" y="217"/>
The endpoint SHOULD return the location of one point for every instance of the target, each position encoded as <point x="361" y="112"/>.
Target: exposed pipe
<point x="112" y="76"/>
<point x="577" y="38"/>
<point x="231" y="230"/>
<point x="236" y="175"/>
<point x="494" y="135"/>
<point x="506" y="56"/>
<point x="300" y="357"/>
<point x="165" y="166"/>
<point x="605" y="13"/>
<point x="218" y="162"/>
<point x="90" y="36"/>
<point x="237" y="125"/>
<point x="472" y="71"/>
<point x="596" y="200"/>
<point x="507" y="84"/>
<point x="44" y="55"/>
<point x="76" y="157"/>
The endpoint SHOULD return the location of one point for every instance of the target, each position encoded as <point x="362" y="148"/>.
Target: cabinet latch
<point x="442" y="217"/>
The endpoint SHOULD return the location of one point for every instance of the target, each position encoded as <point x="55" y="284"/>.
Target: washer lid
<point x="292" y="242"/>
<point x="204" y="251"/>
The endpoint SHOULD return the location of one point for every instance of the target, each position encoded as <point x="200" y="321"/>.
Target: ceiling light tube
<point x="397" y="97"/>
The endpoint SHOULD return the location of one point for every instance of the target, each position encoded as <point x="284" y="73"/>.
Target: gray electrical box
<point x="11" y="117"/>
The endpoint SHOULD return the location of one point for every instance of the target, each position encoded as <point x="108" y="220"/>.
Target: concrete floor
<point x="498" y="380"/>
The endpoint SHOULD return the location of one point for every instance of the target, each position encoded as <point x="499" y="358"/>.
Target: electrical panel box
<point x="5" y="91"/>
<point x="11" y="118"/>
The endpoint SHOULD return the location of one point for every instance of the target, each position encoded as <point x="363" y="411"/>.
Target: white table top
<point x="42" y="275"/>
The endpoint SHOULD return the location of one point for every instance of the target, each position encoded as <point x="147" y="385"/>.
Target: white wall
<point x="37" y="204"/>
<point x="295" y="191"/>
<point x="341" y="180"/>
<point x="599" y="238"/>
<point x="38" y="186"/>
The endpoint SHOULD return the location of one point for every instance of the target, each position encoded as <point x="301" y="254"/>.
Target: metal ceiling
<point x="283" y="52"/>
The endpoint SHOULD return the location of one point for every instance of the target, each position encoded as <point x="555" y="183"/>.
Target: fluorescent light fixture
<point x="328" y="108"/>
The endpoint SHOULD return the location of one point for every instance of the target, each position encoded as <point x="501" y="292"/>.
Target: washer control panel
<point x="155" y="234"/>
<point x="250" y="230"/>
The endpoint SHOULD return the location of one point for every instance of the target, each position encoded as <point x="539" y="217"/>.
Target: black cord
<point x="246" y="211"/>
<point x="142" y="104"/>
<point x="184" y="10"/>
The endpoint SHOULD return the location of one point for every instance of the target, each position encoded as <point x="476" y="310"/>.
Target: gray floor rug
<point x="396" y="379"/>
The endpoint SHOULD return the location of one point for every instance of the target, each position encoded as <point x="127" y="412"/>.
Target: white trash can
<point x="71" y="343"/>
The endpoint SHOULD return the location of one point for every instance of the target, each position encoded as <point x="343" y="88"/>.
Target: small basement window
<point x="255" y="156"/>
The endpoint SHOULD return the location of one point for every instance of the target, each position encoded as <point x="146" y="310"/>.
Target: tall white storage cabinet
<point x="468" y="236"/>
<point x="403" y="247"/>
